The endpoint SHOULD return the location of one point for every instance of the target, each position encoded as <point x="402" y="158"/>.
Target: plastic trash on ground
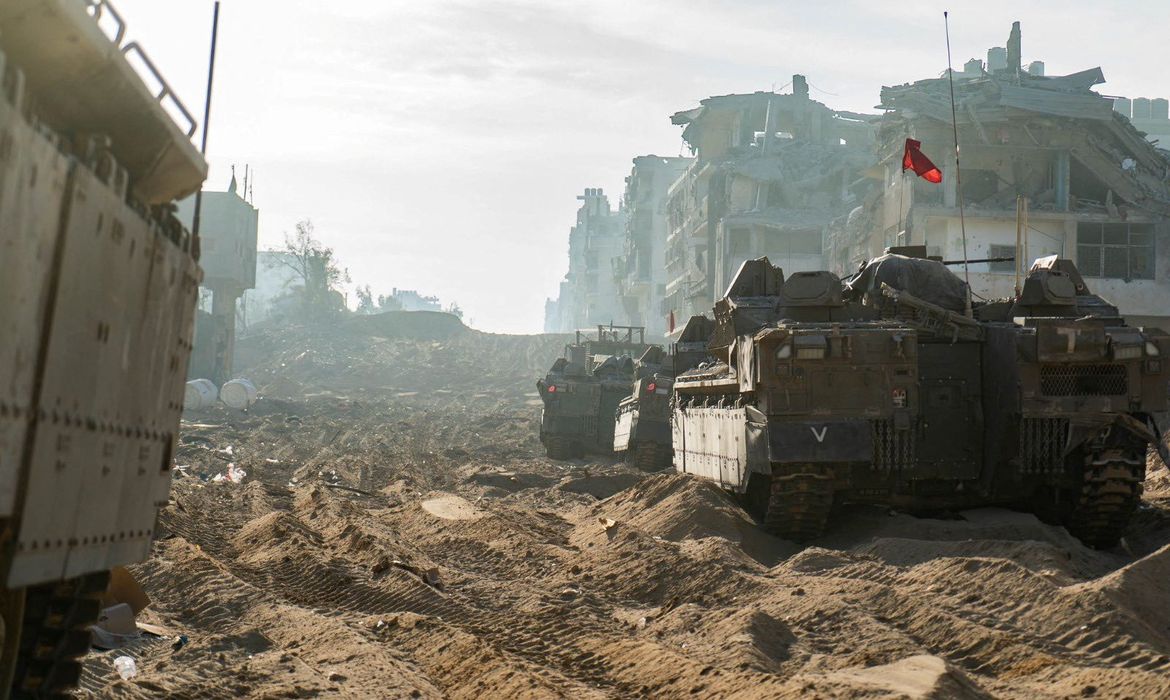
<point x="234" y="474"/>
<point x="126" y="667"/>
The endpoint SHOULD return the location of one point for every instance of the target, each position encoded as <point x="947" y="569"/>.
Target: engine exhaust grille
<point x="1083" y="380"/>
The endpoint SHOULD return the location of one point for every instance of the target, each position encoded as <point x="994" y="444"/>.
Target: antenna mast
<point x="958" y="175"/>
<point x="206" y="123"/>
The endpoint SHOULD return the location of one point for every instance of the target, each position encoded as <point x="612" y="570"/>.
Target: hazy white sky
<point x="439" y="145"/>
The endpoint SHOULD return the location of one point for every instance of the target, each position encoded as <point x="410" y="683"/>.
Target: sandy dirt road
<point x="400" y="534"/>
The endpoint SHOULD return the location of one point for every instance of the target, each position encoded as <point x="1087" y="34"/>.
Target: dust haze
<point x="560" y="350"/>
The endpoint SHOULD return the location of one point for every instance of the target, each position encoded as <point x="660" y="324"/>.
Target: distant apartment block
<point x="589" y="294"/>
<point x="771" y="171"/>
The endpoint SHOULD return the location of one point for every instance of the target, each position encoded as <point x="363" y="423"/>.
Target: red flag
<point x="671" y="321"/>
<point x="913" y="159"/>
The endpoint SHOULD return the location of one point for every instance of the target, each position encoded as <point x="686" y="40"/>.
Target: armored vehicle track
<point x="799" y="505"/>
<point x="1108" y="498"/>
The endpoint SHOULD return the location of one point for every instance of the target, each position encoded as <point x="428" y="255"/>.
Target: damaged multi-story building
<point x="1149" y="115"/>
<point x="589" y="294"/>
<point x="640" y="272"/>
<point x="771" y="171"/>
<point x="1086" y="183"/>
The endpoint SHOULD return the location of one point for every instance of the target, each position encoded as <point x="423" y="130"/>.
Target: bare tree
<point x="316" y="270"/>
<point x="365" y="300"/>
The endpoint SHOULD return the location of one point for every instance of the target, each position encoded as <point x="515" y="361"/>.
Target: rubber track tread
<point x="1110" y="494"/>
<point x="558" y="448"/>
<point x="55" y="636"/>
<point x="798" y="506"/>
<point x="651" y="457"/>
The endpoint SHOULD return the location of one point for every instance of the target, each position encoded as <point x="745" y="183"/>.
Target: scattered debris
<point x="341" y="487"/>
<point x="126" y="667"/>
<point x="234" y="474"/>
<point x="115" y="627"/>
<point x="431" y="578"/>
<point x="121" y="603"/>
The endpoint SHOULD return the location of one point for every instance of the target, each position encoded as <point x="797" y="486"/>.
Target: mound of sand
<point x="415" y="325"/>
<point x="921" y="677"/>
<point x="677" y="507"/>
<point x="425" y="356"/>
<point x="451" y="507"/>
<point x="1143" y="588"/>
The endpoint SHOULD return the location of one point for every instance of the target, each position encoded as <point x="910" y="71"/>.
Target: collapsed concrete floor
<point x="400" y="534"/>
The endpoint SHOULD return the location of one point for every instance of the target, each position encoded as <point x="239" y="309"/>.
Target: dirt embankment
<point x="400" y="534"/>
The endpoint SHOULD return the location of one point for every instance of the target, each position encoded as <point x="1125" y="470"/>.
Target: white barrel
<point x="238" y="393"/>
<point x="200" y="393"/>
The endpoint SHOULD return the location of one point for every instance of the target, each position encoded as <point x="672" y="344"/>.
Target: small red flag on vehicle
<point x="913" y="159"/>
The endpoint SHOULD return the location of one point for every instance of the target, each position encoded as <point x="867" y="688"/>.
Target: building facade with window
<point x="1091" y="188"/>
<point x="641" y="270"/>
<point x="770" y="172"/>
<point x="589" y="294"/>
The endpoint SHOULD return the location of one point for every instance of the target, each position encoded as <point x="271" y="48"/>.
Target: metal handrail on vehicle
<point x="96" y="9"/>
<point x="134" y="47"/>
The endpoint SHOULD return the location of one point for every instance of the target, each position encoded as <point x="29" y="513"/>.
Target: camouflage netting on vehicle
<point x="928" y="280"/>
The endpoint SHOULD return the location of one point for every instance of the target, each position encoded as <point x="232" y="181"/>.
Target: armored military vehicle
<point x="883" y="390"/>
<point x="582" y="390"/>
<point x="1089" y="387"/>
<point x="98" y="282"/>
<point x="807" y="396"/>
<point x="642" y="432"/>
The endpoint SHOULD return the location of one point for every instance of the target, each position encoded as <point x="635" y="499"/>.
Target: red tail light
<point x="651" y="387"/>
<point x="552" y="388"/>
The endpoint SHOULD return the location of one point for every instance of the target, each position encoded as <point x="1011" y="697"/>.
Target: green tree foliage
<point x="365" y="300"/>
<point x="317" y="272"/>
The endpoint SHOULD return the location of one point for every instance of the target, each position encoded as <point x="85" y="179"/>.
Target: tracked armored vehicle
<point x="582" y="390"/>
<point x="883" y="390"/>
<point x="1089" y="387"/>
<point x="642" y="431"/>
<point x="98" y="283"/>
<point x="803" y="388"/>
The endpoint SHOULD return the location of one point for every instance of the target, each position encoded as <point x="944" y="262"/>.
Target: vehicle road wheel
<point x="54" y="635"/>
